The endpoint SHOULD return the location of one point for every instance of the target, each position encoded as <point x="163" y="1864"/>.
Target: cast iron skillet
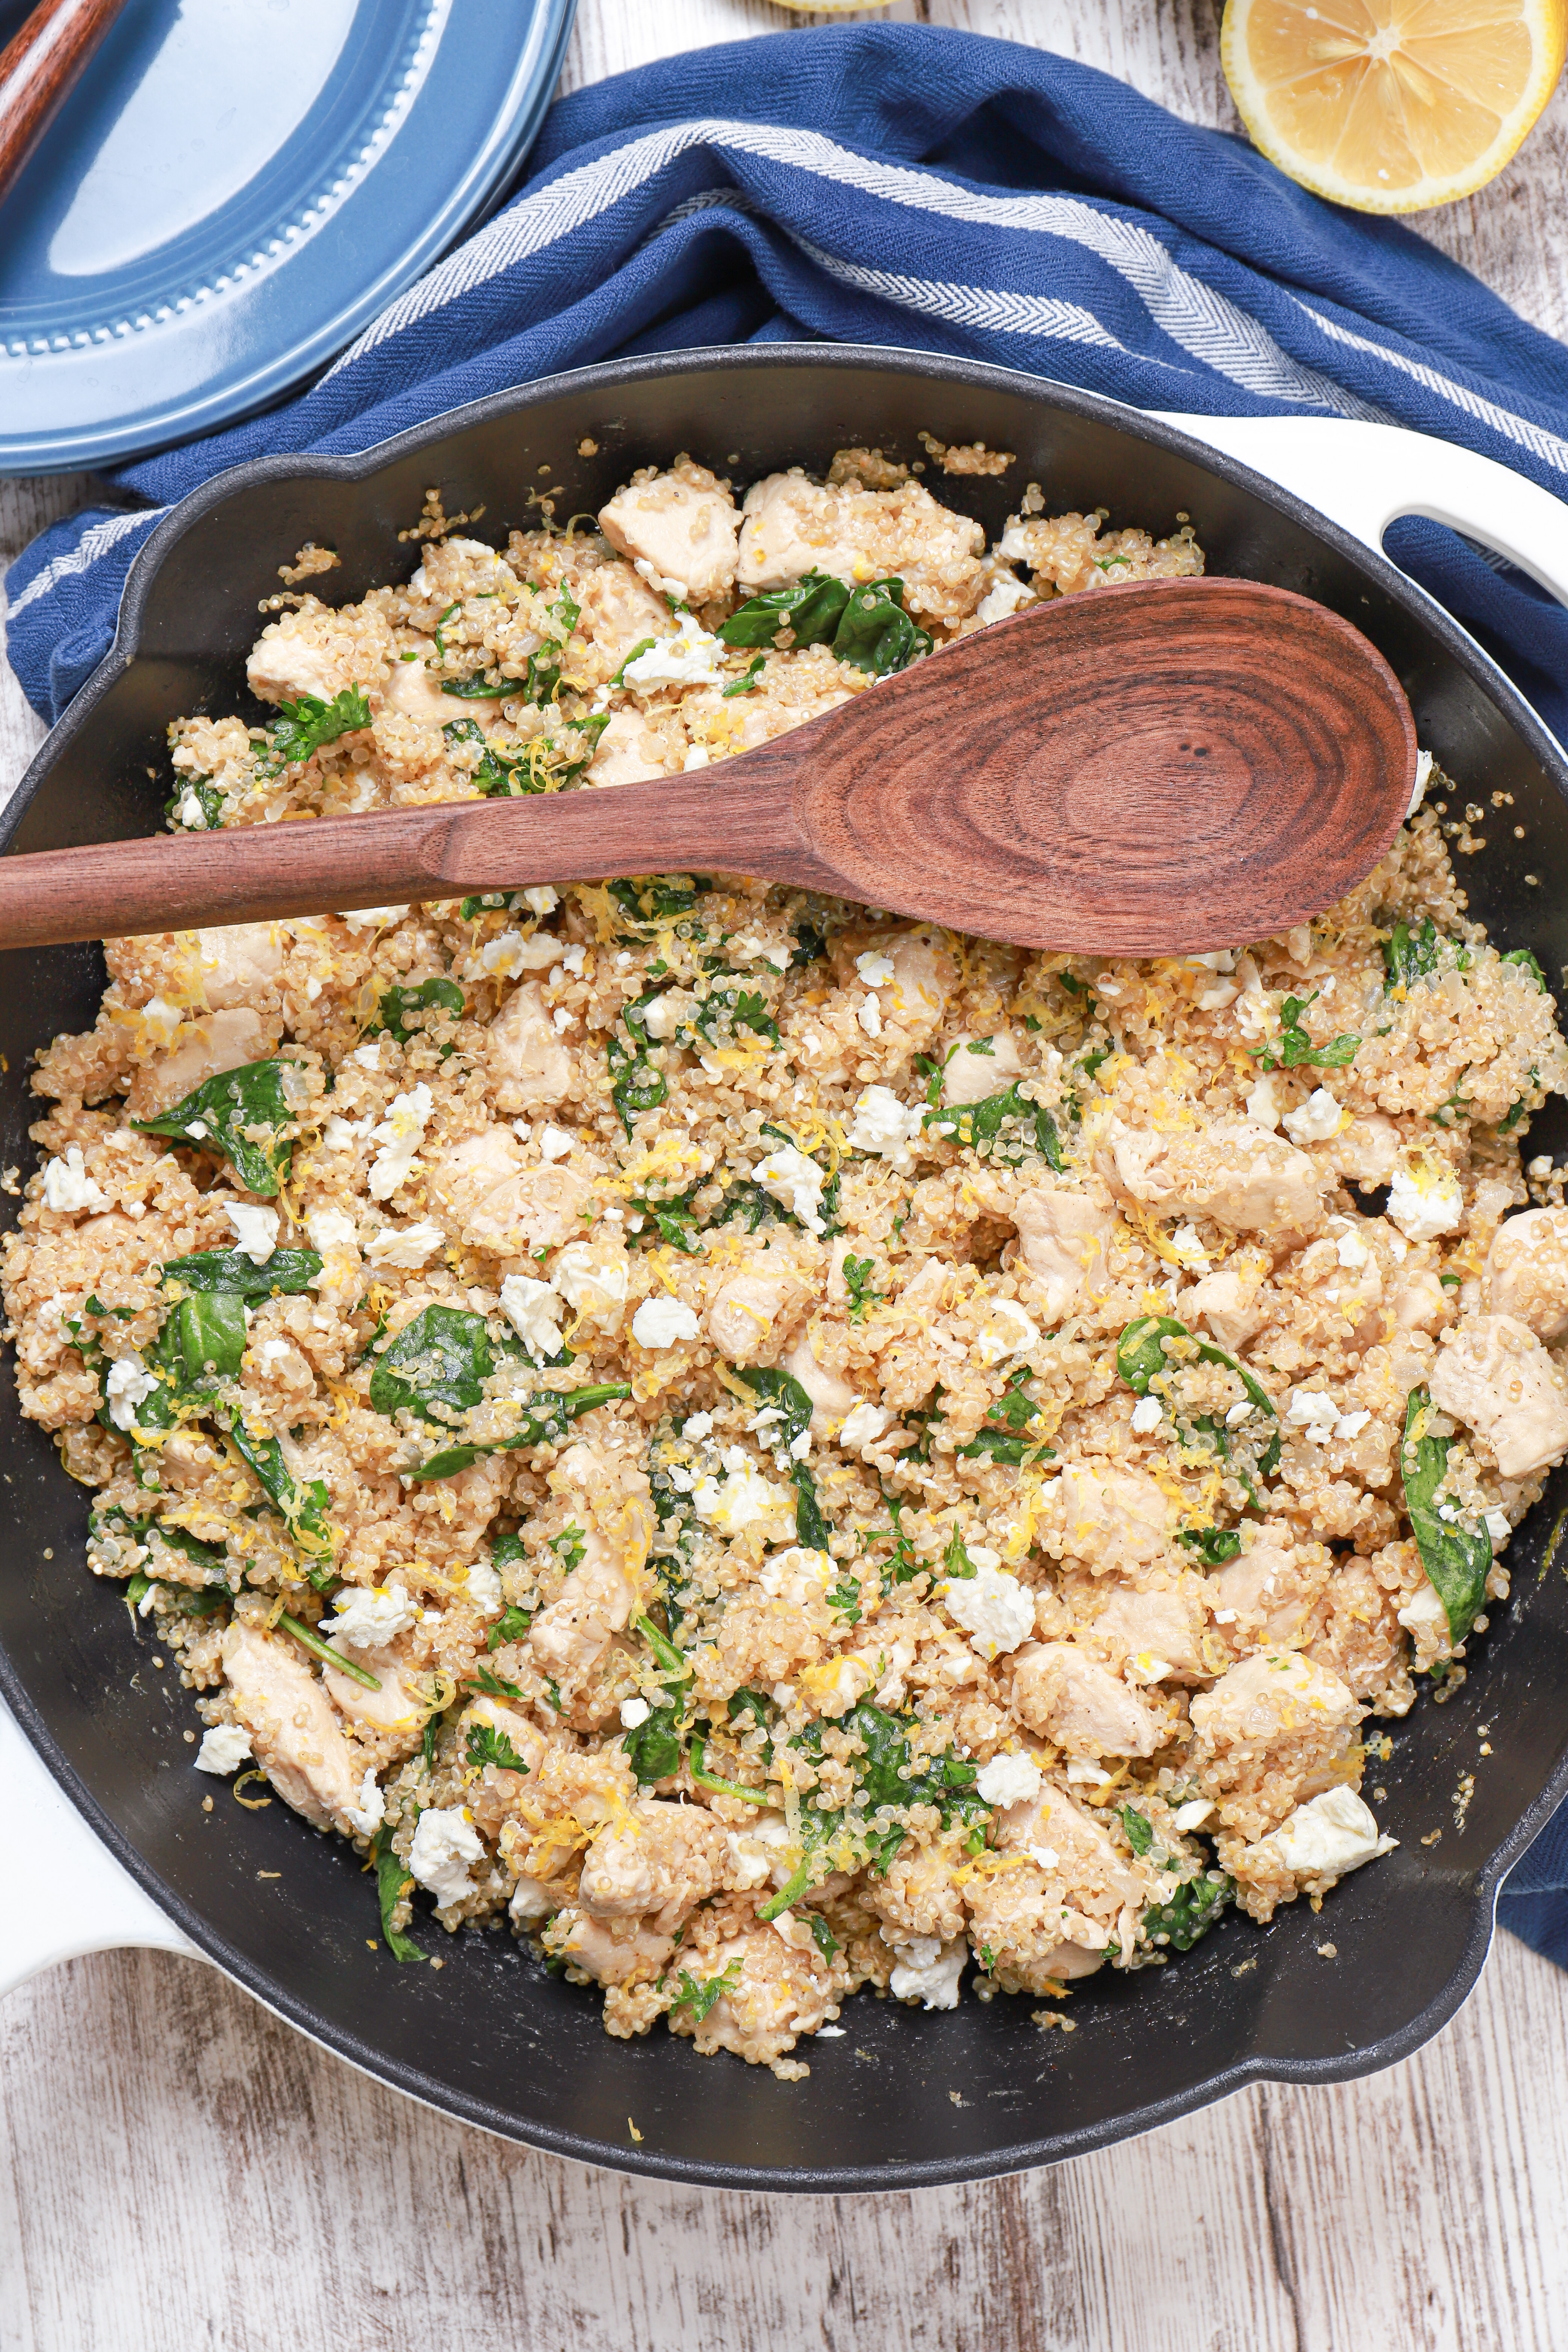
<point x="491" y="2036"/>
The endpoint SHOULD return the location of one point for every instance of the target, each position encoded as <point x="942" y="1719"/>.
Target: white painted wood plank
<point x="175" y="2167"/>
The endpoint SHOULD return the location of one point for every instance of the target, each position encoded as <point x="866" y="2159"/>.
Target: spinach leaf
<point x="844" y="1600"/>
<point x="653" y="898"/>
<point x="478" y="689"/>
<point x="179" y="1598"/>
<point x="783" y="1390"/>
<point x="547" y="1425"/>
<point x="1212" y="1546"/>
<point x="857" y="1272"/>
<point x="1001" y="1445"/>
<point x="888" y="1780"/>
<point x="876" y="633"/>
<point x="812" y="608"/>
<point x="438" y="995"/>
<point x="218" y="1115"/>
<point x="1139" y="1833"/>
<point x="1140" y="1357"/>
<point x="821" y="1936"/>
<point x="289" y="1271"/>
<point x="1454" y="1559"/>
<point x="205" y="1337"/>
<point x="1296" y="1049"/>
<point x="1190" y="1911"/>
<point x="303" y="1508"/>
<point x="698" y="1994"/>
<point x="635" y="1084"/>
<point x="543" y="677"/>
<point x="308" y="725"/>
<point x="487" y="1746"/>
<point x="955" y="1561"/>
<point x="437" y="1366"/>
<point x="1523" y="957"/>
<point x="393" y="1881"/>
<point x="697" y="1765"/>
<point x="748" y="681"/>
<point x="674" y="1219"/>
<point x="1407" y="955"/>
<point x="653" y="1750"/>
<point x="977" y="1125"/>
<point x="811" y="1527"/>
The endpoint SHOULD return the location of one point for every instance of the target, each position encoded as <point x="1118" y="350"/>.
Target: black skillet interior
<point x="491" y="2036"/>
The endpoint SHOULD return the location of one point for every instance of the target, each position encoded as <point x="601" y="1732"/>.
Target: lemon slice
<point x="1392" y="105"/>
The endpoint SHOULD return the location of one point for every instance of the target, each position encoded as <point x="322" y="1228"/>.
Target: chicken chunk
<point x="679" y="530"/>
<point x="1062" y="1237"/>
<point x="532" y="1069"/>
<point x="238" y="961"/>
<point x="1495" y="1376"/>
<point x="1064" y="1695"/>
<point x="605" y="1588"/>
<point x="1271" y="1732"/>
<point x="1112" y="1519"/>
<point x="978" y="1066"/>
<point x="831" y="1398"/>
<point x="320" y="652"/>
<point x="1239" y="1174"/>
<point x="790" y="526"/>
<point x="1527" y="1272"/>
<point x="297" y="1739"/>
<point x="222" y="1041"/>
<point x="1152" y="1635"/>
<point x="657" y="1864"/>
<point x="745" y="1312"/>
<point x="628" y="751"/>
<point x="486" y="1194"/>
<point x="1227" y="1303"/>
<point x="618" y="611"/>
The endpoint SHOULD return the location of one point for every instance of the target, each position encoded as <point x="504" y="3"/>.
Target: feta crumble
<point x="585" y="1279"/>
<point x="370" y="1812"/>
<point x="1425" y="1199"/>
<point x="883" y="1127"/>
<point x="400" y="1135"/>
<point x="994" y="1610"/>
<point x="1318" y="1117"/>
<point x="1009" y="1780"/>
<point x="407" y="1246"/>
<point x="366" y="1617"/>
<point x="68" y="1186"/>
<point x="445" y="1843"/>
<point x="331" y="1229"/>
<point x="128" y="1384"/>
<point x="224" y="1748"/>
<point x="1328" y="1835"/>
<point x="691" y="657"/>
<point x="555" y="1142"/>
<point x="255" y="1230"/>
<point x="863" y="1425"/>
<point x="664" y="1323"/>
<point x="1147" y="1415"/>
<point x="482" y="1590"/>
<point x="794" y="1181"/>
<point x="927" y="1970"/>
<point x="534" y="1310"/>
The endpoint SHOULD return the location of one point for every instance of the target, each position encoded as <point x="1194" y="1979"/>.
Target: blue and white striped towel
<point x="896" y="185"/>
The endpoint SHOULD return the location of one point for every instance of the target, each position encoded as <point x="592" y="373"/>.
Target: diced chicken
<point x="1418" y="1301"/>
<point x="1227" y="1303"/>
<point x="1235" y="1172"/>
<point x="599" y="1596"/>
<point x="1113" y="1518"/>
<point x="498" y="1787"/>
<point x="395" y="1707"/>
<point x="618" y="611"/>
<point x="1527" y="1272"/>
<point x="628" y="751"/>
<point x="831" y="1398"/>
<point x="1264" y="1589"/>
<point x="1062" y="1237"/>
<point x="1064" y="1695"/>
<point x="683" y="527"/>
<point x="315" y="651"/>
<point x="914" y="995"/>
<point x="298" y="1739"/>
<point x="237" y="960"/>
<point x="486" y="1196"/>
<point x="663" y="1858"/>
<point x="612" y="1951"/>
<point x="1271" y="1732"/>
<point x="790" y="526"/>
<point x="782" y="1991"/>
<point x="1495" y="1376"/>
<point x="532" y="1069"/>
<point x="744" y="1310"/>
<point x="1156" y="1634"/>
<point x="1366" y="1150"/>
<point x="969" y="1076"/>
<point x="222" y="1041"/>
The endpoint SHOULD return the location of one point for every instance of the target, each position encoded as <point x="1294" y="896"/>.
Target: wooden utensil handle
<point x="39" y="67"/>
<point x="316" y="866"/>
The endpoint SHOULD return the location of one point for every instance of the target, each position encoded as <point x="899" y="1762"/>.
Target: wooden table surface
<point x="178" y="2169"/>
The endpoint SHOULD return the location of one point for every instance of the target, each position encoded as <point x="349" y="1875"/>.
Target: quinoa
<point x="782" y="1449"/>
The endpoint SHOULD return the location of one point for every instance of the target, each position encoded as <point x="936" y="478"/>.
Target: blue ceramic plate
<point x="234" y="188"/>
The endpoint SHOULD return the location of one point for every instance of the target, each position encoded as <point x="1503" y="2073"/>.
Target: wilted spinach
<point x="1454" y="1559"/>
<point x="218" y="1115"/>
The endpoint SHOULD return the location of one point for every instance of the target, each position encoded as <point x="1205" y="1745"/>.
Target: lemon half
<point x="1392" y="105"/>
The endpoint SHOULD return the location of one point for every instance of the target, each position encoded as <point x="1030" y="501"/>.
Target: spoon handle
<point x="39" y="67"/>
<point x="165" y="883"/>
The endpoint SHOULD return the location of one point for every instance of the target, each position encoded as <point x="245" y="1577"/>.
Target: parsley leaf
<point x="698" y="1994"/>
<point x="488" y="1745"/>
<point x="1296" y="1049"/>
<point x="309" y="726"/>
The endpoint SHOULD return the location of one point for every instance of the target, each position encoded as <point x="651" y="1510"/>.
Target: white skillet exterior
<point x="67" y="1894"/>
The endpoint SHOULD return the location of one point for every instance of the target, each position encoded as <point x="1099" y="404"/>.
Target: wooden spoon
<point x="39" y="67"/>
<point x="1161" y="766"/>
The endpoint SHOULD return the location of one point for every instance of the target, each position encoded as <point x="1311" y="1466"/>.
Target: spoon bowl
<point x="1158" y="767"/>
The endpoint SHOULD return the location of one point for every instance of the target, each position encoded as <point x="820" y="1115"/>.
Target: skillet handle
<point x="65" y="1892"/>
<point x="1364" y="477"/>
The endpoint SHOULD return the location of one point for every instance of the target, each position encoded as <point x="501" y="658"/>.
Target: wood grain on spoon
<point x="1162" y="766"/>
<point x="39" y="67"/>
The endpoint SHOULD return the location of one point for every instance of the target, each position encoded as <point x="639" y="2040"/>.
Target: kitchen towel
<point x="896" y="183"/>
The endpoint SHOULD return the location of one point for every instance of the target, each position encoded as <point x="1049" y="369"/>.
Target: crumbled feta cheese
<point x="1045" y="1857"/>
<point x="555" y="1142"/>
<point x="875" y="969"/>
<point x="331" y="1229"/>
<point x="1424" y="1615"/>
<point x="534" y="1310"/>
<point x="634" y="1712"/>
<point x="1193" y="1814"/>
<point x="691" y="657"/>
<point x="190" y="812"/>
<point x="1239" y="1413"/>
<point x="700" y="1426"/>
<point x="585" y="1279"/>
<point x="994" y="1610"/>
<point x="1190" y="1252"/>
<point x="881" y="1125"/>
<point x="372" y="918"/>
<point x="1009" y="1780"/>
<point x="445" y="1843"/>
<point x="794" y="1181"/>
<point x="927" y="1970"/>
<point x="542" y="899"/>
<point x="404" y="1245"/>
<point x="742" y="1498"/>
<point x="367" y="1057"/>
<point x="128" y="1384"/>
<point x="1263" y="1103"/>
<point x="370" y="1812"/>
<point x="400" y="1134"/>
<point x="68" y="1186"/>
<point x="863" y="1425"/>
<point x="1350" y="1425"/>
<point x="1425" y="1199"/>
<point x="1004" y="595"/>
<point x="664" y="1323"/>
<point x="224" y="1748"/>
<point x="756" y="1848"/>
<point x="1351" y="1252"/>
<point x="1328" y="1837"/>
<point x="531" y="1900"/>
<point x="369" y="1616"/>
<point x="1314" y="1412"/>
<point x="1422" y="772"/>
<point x="869" y="1013"/>
<point x="1497" y="1525"/>
<point x="342" y="1134"/>
<point x="1007" y="1332"/>
<point x="255" y="1230"/>
<point x="482" y="1590"/>
<point x="1147" y="1415"/>
<point x="274" y="1350"/>
<point x="1318" y="1117"/>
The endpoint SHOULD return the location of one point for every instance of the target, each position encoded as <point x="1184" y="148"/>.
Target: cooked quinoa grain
<point x="784" y="1449"/>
